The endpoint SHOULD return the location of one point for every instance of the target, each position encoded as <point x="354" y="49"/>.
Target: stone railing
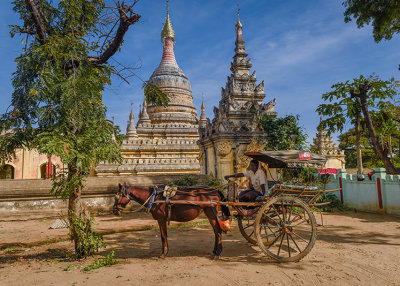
<point x="381" y="193"/>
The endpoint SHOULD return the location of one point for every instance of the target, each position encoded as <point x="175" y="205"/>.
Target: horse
<point x="179" y="212"/>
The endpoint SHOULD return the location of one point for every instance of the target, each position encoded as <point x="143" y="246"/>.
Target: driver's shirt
<point x="257" y="179"/>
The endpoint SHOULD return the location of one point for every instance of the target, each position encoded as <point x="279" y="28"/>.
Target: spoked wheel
<point x="285" y="229"/>
<point x="246" y="227"/>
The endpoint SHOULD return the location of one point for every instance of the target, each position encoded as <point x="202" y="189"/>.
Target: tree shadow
<point x="22" y="255"/>
<point x="351" y="235"/>
<point x="367" y="217"/>
<point x="198" y="242"/>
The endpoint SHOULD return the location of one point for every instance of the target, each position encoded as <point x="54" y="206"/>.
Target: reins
<point x="142" y="206"/>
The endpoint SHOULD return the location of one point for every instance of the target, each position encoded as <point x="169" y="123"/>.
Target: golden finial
<point x="131" y="115"/>
<point x="238" y="23"/>
<point x="167" y="31"/>
<point x="202" y="103"/>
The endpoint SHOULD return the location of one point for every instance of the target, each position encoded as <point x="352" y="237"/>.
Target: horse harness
<point x="168" y="192"/>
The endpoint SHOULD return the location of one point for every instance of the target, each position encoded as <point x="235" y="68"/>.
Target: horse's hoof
<point x="162" y="256"/>
<point x="215" y="257"/>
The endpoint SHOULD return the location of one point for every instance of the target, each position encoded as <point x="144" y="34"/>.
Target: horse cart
<point x="281" y="222"/>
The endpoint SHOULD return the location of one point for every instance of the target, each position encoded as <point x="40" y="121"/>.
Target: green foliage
<point x="186" y="180"/>
<point x="3" y="171"/>
<point x="154" y="94"/>
<point x="212" y="181"/>
<point x="383" y="14"/>
<point x="370" y="160"/>
<point x="284" y="133"/>
<point x="107" y="261"/>
<point x="68" y="268"/>
<point x="193" y="180"/>
<point x="89" y="242"/>
<point x="335" y="203"/>
<point x="57" y="105"/>
<point x="342" y="108"/>
<point x="301" y="176"/>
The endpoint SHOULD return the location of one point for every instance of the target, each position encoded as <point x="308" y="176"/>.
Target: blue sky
<point x="299" y="48"/>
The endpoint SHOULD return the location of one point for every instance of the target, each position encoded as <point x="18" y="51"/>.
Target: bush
<point x="335" y="203"/>
<point x="212" y="181"/>
<point x="87" y="241"/>
<point x="193" y="180"/>
<point x="186" y="181"/>
<point x="107" y="261"/>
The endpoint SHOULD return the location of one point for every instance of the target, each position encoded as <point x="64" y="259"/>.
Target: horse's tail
<point x="224" y="208"/>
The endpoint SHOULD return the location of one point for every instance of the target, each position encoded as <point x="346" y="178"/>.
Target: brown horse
<point x="180" y="213"/>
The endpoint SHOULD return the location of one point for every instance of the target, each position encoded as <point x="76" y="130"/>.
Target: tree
<point x="284" y="133"/>
<point x="341" y="110"/>
<point x="368" y="93"/>
<point x="344" y="108"/>
<point x="57" y="104"/>
<point x="384" y="15"/>
<point x="347" y="142"/>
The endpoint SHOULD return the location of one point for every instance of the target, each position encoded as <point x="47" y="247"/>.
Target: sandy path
<point x="352" y="249"/>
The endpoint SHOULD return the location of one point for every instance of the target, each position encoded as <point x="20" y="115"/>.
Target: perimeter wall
<point x="98" y="193"/>
<point x="381" y="193"/>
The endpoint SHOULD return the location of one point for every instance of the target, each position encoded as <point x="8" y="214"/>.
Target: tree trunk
<point x="372" y="134"/>
<point x="74" y="209"/>
<point x="390" y="148"/>
<point x="358" y="146"/>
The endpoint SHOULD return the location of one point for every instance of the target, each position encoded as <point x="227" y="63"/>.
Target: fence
<point x="381" y="193"/>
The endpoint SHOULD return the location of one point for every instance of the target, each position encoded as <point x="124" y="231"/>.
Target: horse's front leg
<point x="217" y="231"/>
<point x="162" y="224"/>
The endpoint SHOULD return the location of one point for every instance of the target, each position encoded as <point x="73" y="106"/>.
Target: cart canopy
<point x="289" y="159"/>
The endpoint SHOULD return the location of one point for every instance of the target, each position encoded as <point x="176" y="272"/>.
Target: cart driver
<point x="258" y="182"/>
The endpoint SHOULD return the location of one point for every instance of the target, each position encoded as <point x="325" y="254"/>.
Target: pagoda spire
<point x="240" y="63"/>
<point x="144" y="117"/>
<point x="113" y="138"/>
<point x="240" y="48"/>
<point x="168" y="38"/>
<point x="131" y="130"/>
<point x="203" y="116"/>
<point x="167" y="32"/>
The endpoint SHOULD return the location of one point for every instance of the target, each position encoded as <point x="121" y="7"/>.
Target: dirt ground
<point x="352" y="249"/>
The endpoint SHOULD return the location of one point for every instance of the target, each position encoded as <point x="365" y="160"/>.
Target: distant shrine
<point x="235" y="128"/>
<point x="165" y="138"/>
<point x="324" y="145"/>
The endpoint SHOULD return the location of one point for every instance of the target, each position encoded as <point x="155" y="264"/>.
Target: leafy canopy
<point x="383" y="14"/>
<point x="284" y="133"/>
<point x="348" y="144"/>
<point x="341" y="109"/>
<point x="57" y="104"/>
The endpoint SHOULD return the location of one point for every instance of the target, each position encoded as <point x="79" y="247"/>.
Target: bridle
<point x="125" y="194"/>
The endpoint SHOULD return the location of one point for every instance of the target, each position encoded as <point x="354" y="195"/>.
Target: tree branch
<point x="40" y="29"/>
<point x="126" y="18"/>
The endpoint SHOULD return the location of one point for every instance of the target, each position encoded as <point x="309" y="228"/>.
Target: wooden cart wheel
<point x="285" y="229"/>
<point x="246" y="227"/>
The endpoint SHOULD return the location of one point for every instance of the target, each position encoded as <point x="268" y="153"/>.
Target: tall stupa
<point x="164" y="140"/>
